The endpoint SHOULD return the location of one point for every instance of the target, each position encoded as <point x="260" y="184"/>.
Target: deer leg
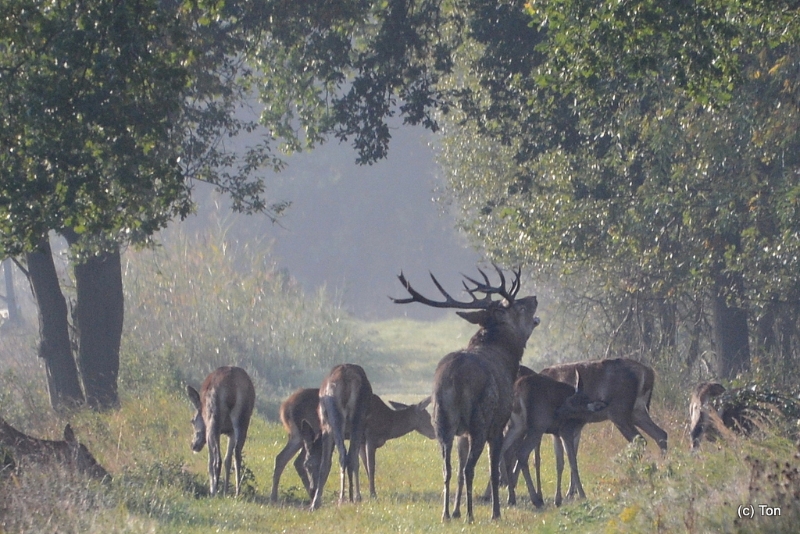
<point x="475" y="449"/>
<point x="368" y="456"/>
<point x="324" y="469"/>
<point x="241" y="437"/>
<point x="228" y="457"/>
<point x="508" y="456"/>
<point x="300" y="467"/>
<point x="537" y="461"/>
<point x="572" y="456"/>
<point x="446" y="445"/>
<point x="530" y="443"/>
<point x="352" y="469"/>
<point x="287" y="453"/>
<point x="642" y="419"/>
<point x="627" y="428"/>
<point x="559" y="452"/>
<point x="576" y="440"/>
<point x="214" y="458"/>
<point x="495" y="449"/>
<point x="463" y="451"/>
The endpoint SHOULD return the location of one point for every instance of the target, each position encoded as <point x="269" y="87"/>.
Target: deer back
<point x="226" y="398"/>
<point x="610" y="381"/>
<point x="349" y="390"/>
<point x="301" y="406"/>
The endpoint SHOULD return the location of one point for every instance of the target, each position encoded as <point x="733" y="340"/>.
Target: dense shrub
<point x="202" y="301"/>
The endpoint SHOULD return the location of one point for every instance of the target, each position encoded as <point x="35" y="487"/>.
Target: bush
<point x="200" y="302"/>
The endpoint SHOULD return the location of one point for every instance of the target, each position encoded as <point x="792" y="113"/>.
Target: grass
<point x="160" y="486"/>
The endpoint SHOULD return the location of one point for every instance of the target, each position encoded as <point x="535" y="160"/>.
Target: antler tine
<point x="488" y="289"/>
<point x="449" y="301"/>
<point x="516" y="284"/>
<point x="441" y="289"/>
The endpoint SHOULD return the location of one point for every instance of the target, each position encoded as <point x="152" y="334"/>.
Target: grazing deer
<point x="716" y="411"/>
<point x="473" y="387"/>
<point x="68" y="452"/>
<point x="544" y="406"/>
<point x="625" y="385"/>
<point x="299" y="417"/>
<point x="344" y="398"/>
<point x="704" y="418"/>
<point x="224" y="406"/>
<point x="384" y="423"/>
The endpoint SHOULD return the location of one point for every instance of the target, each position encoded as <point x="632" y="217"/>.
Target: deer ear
<point x="476" y="317"/>
<point x="194" y="396"/>
<point x="424" y="403"/>
<point x="69" y="435"/>
<point x="397" y="405"/>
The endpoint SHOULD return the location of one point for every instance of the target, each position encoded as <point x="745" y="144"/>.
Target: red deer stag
<point x="544" y="406"/>
<point x="473" y="387"/>
<point x="224" y="406"/>
<point x="68" y="452"/>
<point x="299" y="417"/>
<point x="625" y="385"/>
<point x="343" y="405"/>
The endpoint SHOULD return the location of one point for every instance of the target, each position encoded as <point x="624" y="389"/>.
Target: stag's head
<point x="508" y="315"/>
<point x="82" y="458"/>
<point x="198" y="423"/>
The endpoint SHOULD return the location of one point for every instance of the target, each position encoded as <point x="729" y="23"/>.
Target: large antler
<point x="480" y="287"/>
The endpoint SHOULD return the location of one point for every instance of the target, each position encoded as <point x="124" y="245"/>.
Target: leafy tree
<point x="651" y="141"/>
<point x="110" y="110"/>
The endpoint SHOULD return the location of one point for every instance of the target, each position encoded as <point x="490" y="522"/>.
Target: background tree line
<point x="643" y="149"/>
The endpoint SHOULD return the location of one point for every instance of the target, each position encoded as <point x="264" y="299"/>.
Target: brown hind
<point x="224" y="406"/>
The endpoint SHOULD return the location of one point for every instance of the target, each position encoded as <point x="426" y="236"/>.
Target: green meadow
<point x="181" y="322"/>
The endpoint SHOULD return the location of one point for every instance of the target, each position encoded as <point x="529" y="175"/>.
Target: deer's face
<point x="82" y="458"/>
<point x="199" y="425"/>
<point x="422" y="420"/>
<point x="579" y="406"/>
<point x="87" y="464"/>
<point x="523" y="315"/>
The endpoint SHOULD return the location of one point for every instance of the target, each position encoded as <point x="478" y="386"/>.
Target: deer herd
<point x="481" y="395"/>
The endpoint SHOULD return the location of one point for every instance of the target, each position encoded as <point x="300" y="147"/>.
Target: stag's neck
<point x="506" y="343"/>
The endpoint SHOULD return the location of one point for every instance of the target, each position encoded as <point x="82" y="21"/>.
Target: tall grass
<point x="202" y="301"/>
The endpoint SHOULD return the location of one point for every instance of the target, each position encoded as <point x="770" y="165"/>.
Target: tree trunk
<point x="14" y="313"/>
<point x="54" y="344"/>
<point x="730" y="334"/>
<point x="99" y="316"/>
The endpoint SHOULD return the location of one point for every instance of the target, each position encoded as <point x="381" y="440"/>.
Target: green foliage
<point x="647" y="147"/>
<point x="109" y="110"/>
<point x="204" y="301"/>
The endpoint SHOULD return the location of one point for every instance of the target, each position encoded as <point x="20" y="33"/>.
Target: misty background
<point x="353" y="228"/>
